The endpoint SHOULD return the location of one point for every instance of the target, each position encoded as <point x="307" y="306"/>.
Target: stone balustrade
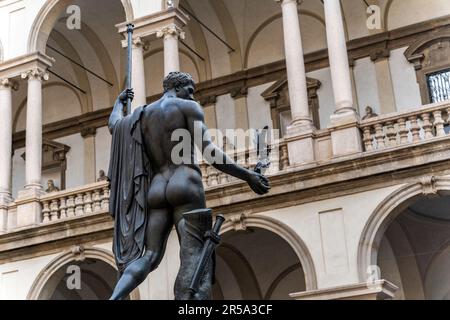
<point x="279" y="160"/>
<point x="89" y="199"/>
<point x="402" y="128"/>
<point x="94" y="198"/>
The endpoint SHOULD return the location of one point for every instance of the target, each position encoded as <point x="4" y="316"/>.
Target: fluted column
<point x="337" y="51"/>
<point x="5" y="140"/>
<point x="138" y="74"/>
<point x="171" y="35"/>
<point x="33" y="147"/>
<point x="295" y="65"/>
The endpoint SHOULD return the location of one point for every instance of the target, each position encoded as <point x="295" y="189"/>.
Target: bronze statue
<point x="150" y="192"/>
<point x="51" y="187"/>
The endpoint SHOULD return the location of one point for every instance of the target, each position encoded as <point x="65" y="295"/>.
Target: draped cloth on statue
<point x="129" y="174"/>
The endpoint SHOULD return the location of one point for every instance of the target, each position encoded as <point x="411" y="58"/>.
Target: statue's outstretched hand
<point x="258" y="183"/>
<point x="128" y="93"/>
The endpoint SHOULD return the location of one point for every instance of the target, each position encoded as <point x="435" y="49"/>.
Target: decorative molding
<point x="379" y="290"/>
<point x="78" y="253"/>
<point x="35" y="74"/>
<point x="428" y="185"/>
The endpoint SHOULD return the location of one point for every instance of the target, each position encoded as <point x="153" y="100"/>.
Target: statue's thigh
<point x="159" y="226"/>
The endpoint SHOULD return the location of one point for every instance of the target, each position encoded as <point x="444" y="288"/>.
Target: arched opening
<point x="407" y="239"/>
<point x="96" y="281"/>
<point x="246" y="270"/>
<point x="416" y="248"/>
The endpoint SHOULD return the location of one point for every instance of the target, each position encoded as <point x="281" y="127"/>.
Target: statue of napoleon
<point x="150" y="193"/>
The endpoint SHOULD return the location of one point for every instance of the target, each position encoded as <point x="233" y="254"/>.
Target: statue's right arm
<point x="117" y="113"/>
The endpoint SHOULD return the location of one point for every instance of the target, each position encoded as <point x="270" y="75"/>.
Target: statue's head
<point x="369" y="110"/>
<point x="50" y="183"/>
<point x="182" y="83"/>
<point x="101" y="173"/>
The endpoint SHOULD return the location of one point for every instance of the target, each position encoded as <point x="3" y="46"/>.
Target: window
<point x="439" y="85"/>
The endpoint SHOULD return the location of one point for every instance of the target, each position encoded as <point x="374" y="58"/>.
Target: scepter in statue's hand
<point x="130" y="29"/>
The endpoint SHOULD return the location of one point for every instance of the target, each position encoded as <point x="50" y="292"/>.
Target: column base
<point x="380" y="290"/>
<point x="300" y="142"/>
<point x="29" y="210"/>
<point x="5" y="200"/>
<point x="345" y="134"/>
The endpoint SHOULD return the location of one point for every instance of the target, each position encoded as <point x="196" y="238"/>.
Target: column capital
<point x="171" y="31"/>
<point x="6" y="83"/>
<point x="35" y="74"/>
<point x="138" y="42"/>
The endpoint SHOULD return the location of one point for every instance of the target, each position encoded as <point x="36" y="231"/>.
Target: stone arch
<point x="48" y="16"/>
<point x="77" y="253"/>
<point x="386" y="212"/>
<point x="269" y="21"/>
<point x="283" y="231"/>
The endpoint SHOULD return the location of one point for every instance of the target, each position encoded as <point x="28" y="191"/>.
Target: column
<point x="295" y="65"/>
<point x="171" y="34"/>
<point x="345" y="135"/>
<point x="300" y="134"/>
<point x="337" y="51"/>
<point x="138" y="74"/>
<point x="28" y="202"/>
<point x="33" y="145"/>
<point x="90" y="173"/>
<point x="5" y="140"/>
<point x="5" y="151"/>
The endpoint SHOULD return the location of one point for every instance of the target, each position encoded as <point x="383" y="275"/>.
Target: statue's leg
<point x="191" y="228"/>
<point x="159" y="225"/>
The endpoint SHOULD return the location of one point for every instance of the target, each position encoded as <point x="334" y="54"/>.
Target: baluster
<point x="284" y="157"/>
<point x="427" y="126"/>
<point x="274" y="159"/>
<point x="54" y="210"/>
<point x="391" y="134"/>
<point x="105" y="199"/>
<point x="62" y="208"/>
<point x="439" y="123"/>
<point x="204" y="169"/>
<point x="368" y="138"/>
<point x="79" y="205"/>
<point x="223" y="178"/>
<point x="379" y="136"/>
<point x="213" y="181"/>
<point x="88" y="202"/>
<point x="97" y="200"/>
<point x="46" y="212"/>
<point x="71" y="206"/>
<point x="415" y="129"/>
<point x="402" y="130"/>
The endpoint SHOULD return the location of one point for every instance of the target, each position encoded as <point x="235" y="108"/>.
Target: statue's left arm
<point x="196" y="123"/>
